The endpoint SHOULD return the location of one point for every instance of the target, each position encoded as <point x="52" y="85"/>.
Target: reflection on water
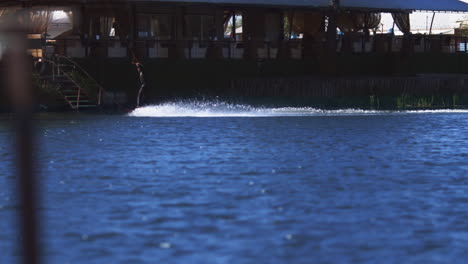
<point x="294" y="188"/>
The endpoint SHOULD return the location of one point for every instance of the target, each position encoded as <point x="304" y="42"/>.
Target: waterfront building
<point x="265" y="29"/>
<point x="224" y="42"/>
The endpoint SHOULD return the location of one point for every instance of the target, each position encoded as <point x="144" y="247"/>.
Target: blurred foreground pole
<point x="18" y="69"/>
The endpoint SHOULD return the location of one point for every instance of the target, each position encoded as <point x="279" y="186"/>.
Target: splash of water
<point x="223" y="109"/>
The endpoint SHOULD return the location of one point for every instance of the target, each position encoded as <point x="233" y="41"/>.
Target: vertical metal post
<point x="426" y="41"/>
<point x="19" y="85"/>
<point x="432" y="23"/>
<point x="64" y="48"/>
<point x="363" y="44"/>
<point x="291" y="24"/>
<point x="86" y="47"/>
<point x="465" y="45"/>
<point x="147" y="47"/>
<point x="269" y="49"/>
<point x="99" y="96"/>
<point x="190" y="44"/>
<point x="58" y="67"/>
<point x="234" y="25"/>
<point x="53" y="71"/>
<point x="78" y="99"/>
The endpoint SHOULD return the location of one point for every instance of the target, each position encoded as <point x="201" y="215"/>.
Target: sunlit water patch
<point x="223" y="109"/>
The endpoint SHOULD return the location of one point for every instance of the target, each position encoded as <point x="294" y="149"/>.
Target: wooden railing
<point x="187" y="49"/>
<point x="418" y="43"/>
<point x="229" y="49"/>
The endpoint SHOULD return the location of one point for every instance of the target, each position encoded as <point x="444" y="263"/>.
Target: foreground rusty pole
<point x="18" y="70"/>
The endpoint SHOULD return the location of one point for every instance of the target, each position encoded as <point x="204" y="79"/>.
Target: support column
<point x="133" y="22"/>
<point x="215" y="50"/>
<point x="253" y="27"/>
<point x="219" y="23"/>
<point x="331" y="31"/>
<point x="177" y="50"/>
<point x="285" y="49"/>
<point x="85" y="29"/>
<point x="282" y="49"/>
<point x="330" y="60"/>
<point x="132" y="31"/>
<point x="77" y="12"/>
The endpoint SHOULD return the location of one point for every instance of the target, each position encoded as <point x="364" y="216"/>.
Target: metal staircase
<point x="78" y="88"/>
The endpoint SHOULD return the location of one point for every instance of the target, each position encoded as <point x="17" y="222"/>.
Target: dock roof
<point x="373" y="5"/>
<point x="294" y="3"/>
<point x="408" y="5"/>
<point x="299" y="3"/>
<point x="378" y="5"/>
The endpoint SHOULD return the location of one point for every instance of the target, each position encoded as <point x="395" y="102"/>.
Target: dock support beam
<point x="330" y="60"/>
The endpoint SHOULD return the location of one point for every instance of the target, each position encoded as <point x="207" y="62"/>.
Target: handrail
<point x="101" y="89"/>
<point x="77" y="66"/>
<point x="71" y="79"/>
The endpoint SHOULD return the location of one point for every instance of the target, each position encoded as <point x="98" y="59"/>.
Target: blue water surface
<point x="342" y="188"/>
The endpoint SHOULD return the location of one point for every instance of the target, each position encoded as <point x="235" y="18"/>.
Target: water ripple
<point x="332" y="186"/>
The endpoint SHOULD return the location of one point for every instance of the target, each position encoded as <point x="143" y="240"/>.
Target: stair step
<point x="81" y="101"/>
<point x="70" y="88"/>
<point x="84" y="106"/>
<point x="70" y="91"/>
<point x="64" y="82"/>
<point x="47" y="78"/>
<point x="76" y="96"/>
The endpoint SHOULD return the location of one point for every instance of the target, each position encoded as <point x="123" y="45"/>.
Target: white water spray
<point x="222" y="109"/>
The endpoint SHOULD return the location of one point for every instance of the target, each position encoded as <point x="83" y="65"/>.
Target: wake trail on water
<point x="223" y="109"/>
